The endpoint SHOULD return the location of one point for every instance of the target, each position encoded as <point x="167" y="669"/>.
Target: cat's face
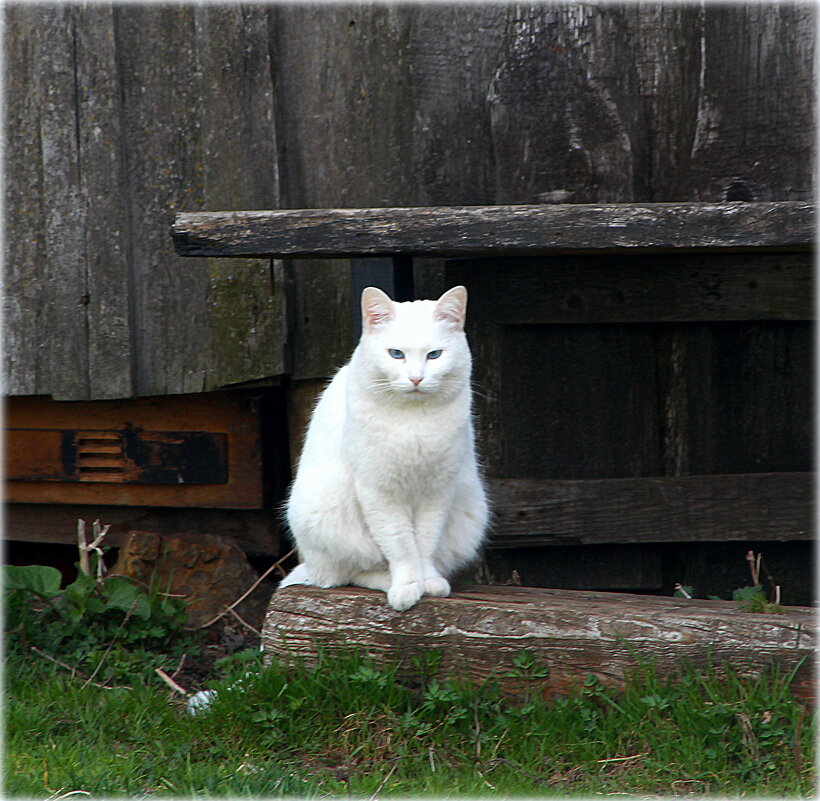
<point x="415" y="350"/>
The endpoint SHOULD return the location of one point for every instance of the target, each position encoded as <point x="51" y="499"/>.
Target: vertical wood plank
<point x="202" y="325"/>
<point x="755" y="126"/>
<point x="453" y="52"/>
<point x="669" y="56"/>
<point x="156" y="48"/>
<point x="65" y="272"/>
<point x="567" y="121"/>
<point x="102" y="182"/>
<point x="240" y="169"/>
<point x="487" y="348"/>
<point x="762" y="397"/>
<point x="26" y="369"/>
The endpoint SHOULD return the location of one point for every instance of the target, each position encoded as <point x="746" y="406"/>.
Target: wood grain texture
<point x="480" y="631"/>
<point x="763" y="506"/>
<point x="118" y="116"/>
<point x="201" y="325"/>
<point x="497" y="230"/>
<point x="26" y="368"/>
<point x="754" y="112"/>
<point x="64" y="269"/>
<point x="761" y="398"/>
<point x="105" y="228"/>
<point x="562" y="123"/>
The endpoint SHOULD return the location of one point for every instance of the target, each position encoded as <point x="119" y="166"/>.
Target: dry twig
<point x="245" y="623"/>
<point x="248" y="592"/>
<point x="98" y="532"/>
<point x="75" y="672"/>
<point x="170" y="682"/>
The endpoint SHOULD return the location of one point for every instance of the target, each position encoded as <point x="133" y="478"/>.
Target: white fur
<point x="388" y="493"/>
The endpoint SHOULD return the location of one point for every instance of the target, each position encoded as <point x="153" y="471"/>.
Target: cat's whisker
<point x="381" y="386"/>
<point x="479" y="392"/>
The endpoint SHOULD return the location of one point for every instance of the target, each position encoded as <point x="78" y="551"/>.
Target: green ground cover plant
<point x="86" y="711"/>
<point x="110" y="628"/>
<point x="347" y="727"/>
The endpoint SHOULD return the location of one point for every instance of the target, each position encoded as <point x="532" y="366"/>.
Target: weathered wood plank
<point x="577" y="402"/>
<point x="239" y="164"/>
<point x="254" y="530"/>
<point x="628" y="289"/>
<point x="201" y="325"/>
<point x="757" y="506"/>
<point x="481" y="630"/>
<point x="65" y="270"/>
<point x="754" y="119"/>
<point x="480" y="230"/>
<point x="560" y="125"/>
<point x="759" y="402"/>
<point x="26" y="298"/>
<point x="102" y="184"/>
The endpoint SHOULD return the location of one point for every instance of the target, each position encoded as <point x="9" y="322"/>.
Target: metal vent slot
<point x="100" y="457"/>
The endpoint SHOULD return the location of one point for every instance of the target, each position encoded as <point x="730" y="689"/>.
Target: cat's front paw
<point x="403" y="596"/>
<point x="437" y="586"/>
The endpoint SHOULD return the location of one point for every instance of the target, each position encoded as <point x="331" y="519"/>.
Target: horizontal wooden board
<point x="754" y="506"/>
<point x="480" y="631"/>
<point x="648" y="288"/>
<point x="254" y="530"/>
<point x="634" y="567"/>
<point x="478" y="230"/>
<point x="164" y="423"/>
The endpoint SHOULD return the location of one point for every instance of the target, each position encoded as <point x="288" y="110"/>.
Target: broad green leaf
<point x="122" y="594"/>
<point x="42" y="580"/>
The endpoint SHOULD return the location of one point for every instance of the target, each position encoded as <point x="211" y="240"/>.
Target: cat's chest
<point x="396" y="443"/>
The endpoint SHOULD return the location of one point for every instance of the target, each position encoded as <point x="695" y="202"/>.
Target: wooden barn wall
<point x="118" y="116"/>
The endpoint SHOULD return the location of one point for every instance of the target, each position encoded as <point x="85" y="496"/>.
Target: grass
<point x="348" y="728"/>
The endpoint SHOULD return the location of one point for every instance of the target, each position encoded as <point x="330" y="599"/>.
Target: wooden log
<point x="484" y="230"/>
<point x="480" y="631"/>
<point x="754" y="506"/>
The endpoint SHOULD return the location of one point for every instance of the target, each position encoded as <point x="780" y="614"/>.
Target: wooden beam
<point x="676" y="287"/>
<point x="254" y="530"/>
<point x="486" y="230"/>
<point x="480" y="631"/>
<point x="753" y="506"/>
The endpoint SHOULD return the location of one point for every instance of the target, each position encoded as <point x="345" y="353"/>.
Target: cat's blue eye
<point x="396" y="353"/>
<point x="434" y="354"/>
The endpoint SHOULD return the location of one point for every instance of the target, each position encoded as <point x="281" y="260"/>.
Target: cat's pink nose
<point x="415" y="381"/>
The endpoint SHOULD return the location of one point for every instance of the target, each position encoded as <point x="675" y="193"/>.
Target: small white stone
<point x="200" y="701"/>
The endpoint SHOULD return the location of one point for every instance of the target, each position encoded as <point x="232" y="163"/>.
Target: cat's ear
<point x="451" y="307"/>
<point x="377" y="308"/>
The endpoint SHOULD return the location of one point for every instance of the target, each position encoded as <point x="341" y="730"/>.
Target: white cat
<point x="388" y="493"/>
